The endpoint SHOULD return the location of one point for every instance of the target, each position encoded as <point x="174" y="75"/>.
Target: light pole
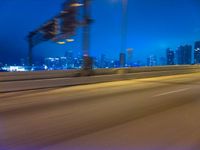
<point x="123" y="33"/>
<point x="86" y="28"/>
<point x="124" y="25"/>
<point x="87" y="64"/>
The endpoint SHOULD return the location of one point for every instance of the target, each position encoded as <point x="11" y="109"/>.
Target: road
<point x="141" y="114"/>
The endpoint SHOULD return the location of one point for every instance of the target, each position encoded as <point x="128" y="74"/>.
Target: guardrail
<point x="39" y="80"/>
<point x="17" y="76"/>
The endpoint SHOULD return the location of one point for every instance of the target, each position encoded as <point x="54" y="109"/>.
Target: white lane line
<point x="172" y="92"/>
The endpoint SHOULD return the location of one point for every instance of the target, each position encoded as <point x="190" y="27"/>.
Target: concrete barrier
<point x="20" y="76"/>
<point x="112" y="75"/>
<point x="17" y="76"/>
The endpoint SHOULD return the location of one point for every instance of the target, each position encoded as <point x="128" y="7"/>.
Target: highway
<point x="159" y="113"/>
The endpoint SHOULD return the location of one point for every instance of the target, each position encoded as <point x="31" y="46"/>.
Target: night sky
<point x="153" y="26"/>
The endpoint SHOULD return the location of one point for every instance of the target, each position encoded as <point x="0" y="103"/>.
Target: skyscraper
<point x="63" y="62"/>
<point x="103" y="61"/>
<point x="129" y="57"/>
<point x="70" y="59"/>
<point x="152" y="61"/>
<point x="52" y="63"/>
<point x="122" y="59"/>
<point x="170" y="56"/>
<point x="197" y="52"/>
<point x="184" y="55"/>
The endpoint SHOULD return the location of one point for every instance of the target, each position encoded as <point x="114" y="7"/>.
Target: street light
<point x="76" y="5"/>
<point x="124" y="24"/>
<point x="87" y="63"/>
<point x="61" y="43"/>
<point x="64" y="42"/>
<point x="70" y="40"/>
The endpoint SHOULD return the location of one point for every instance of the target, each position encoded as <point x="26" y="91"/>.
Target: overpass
<point x="126" y="109"/>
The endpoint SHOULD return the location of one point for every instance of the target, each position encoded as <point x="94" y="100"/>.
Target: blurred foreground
<point x="140" y="114"/>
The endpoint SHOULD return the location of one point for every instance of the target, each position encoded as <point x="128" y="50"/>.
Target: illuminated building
<point x="184" y="55"/>
<point x="122" y="59"/>
<point x="14" y="68"/>
<point x="70" y="59"/>
<point x="197" y="52"/>
<point x="152" y="61"/>
<point x="130" y="56"/>
<point x="52" y="63"/>
<point x="170" y="57"/>
<point x="63" y="62"/>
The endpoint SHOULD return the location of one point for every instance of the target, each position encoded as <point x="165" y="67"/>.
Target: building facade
<point x="122" y="59"/>
<point x="197" y="52"/>
<point x="152" y="61"/>
<point x="170" y="57"/>
<point x="184" y="55"/>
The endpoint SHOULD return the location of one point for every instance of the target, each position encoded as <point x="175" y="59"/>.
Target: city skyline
<point x="148" y="32"/>
<point x="183" y="55"/>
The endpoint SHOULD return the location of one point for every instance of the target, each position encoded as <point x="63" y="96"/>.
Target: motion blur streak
<point x="116" y="115"/>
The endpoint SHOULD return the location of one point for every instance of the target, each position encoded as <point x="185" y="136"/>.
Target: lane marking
<point x="172" y="92"/>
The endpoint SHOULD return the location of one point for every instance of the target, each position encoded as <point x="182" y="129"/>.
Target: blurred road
<point x="160" y="113"/>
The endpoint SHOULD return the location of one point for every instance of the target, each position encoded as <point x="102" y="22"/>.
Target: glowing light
<point x="76" y="5"/>
<point x="70" y="40"/>
<point x="85" y="55"/>
<point x="15" y="68"/>
<point x="129" y="49"/>
<point x="61" y="43"/>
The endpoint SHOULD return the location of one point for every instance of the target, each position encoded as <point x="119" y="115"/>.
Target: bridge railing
<point x="14" y="82"/>
<point x="17" y="76"/>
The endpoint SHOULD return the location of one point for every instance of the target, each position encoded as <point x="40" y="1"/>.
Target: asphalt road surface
<point x="161" y="113"/>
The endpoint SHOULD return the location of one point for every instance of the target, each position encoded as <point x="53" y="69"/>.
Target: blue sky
<point x="153" y="26"/>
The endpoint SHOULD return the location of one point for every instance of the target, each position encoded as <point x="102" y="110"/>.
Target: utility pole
<point x="87" y="64"/>
<point x="124" y="24"/>
<point x="124" y="32"/>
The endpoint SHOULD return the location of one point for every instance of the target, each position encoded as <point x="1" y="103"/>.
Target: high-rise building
<point x="78" y="61"/>
<point x="70" y="59"/>
<point x="184" y="55"/>
<point x="95" y="62"/>
<point x="63" y="62"/>
<point x="152" y="61"/>
<point x="122" y="59"/>
<point x="129" y="57"/>
<point x="52" y="63"/>
<point x="197" y="52"/>
<point x="103" y="61"/>
<point x="170" y="57"/>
